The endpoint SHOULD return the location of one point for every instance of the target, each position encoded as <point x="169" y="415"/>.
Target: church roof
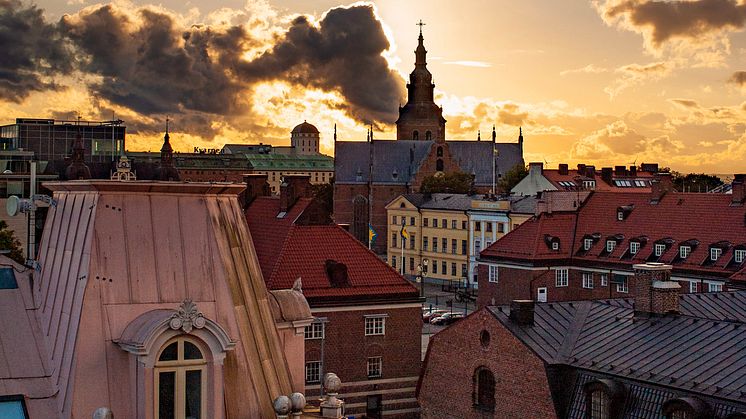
<point x="305" y="128"/>
<point x="397" y="162"/>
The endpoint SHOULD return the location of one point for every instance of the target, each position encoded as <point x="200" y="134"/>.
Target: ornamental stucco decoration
<point x="187" y="317"/>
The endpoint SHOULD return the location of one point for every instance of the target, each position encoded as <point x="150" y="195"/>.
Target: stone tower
<point x="305" y="139"/>
<point x="420" y="118"/>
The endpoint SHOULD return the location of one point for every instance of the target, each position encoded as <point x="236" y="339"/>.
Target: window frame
<point x="373" y="327"/>
<point x="634" y="247"/>
<point x="587" y="278"/>
<point x="660" y="249"/>
<point x="377" y="363"/>
<point x="483" y="399"/>
<point x="493" y="274"/>
<point x="684" y="251"/>
<point x="623" y="287"/>
<point x="715" y="253"/>
<point x="587" y="244"/>
<point x="180" y="367"/>
<point x="318" y="372"/>
<point x="561" y="277"/>
<point x="311" y="332"/>
<point x="739" y="254"/>
<point x="610" y="246"/>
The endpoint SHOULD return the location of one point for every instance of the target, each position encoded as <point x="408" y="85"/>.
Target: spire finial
<point x="479" y="135"/>
<point x="335" y="132"/>
<point x="494" y="134"/>
<point x="420" y="24"/>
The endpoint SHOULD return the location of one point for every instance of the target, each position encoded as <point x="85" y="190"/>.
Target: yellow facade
<point x="518" y="219"/>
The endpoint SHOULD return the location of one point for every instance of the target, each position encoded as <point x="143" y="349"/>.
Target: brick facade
<point x="454" y="354"/>
<point x="347" y="349"/>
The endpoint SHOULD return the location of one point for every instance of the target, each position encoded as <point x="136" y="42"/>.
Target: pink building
<point x="149" y="302"/>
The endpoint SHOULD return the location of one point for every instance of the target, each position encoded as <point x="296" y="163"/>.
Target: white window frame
<point x="604" y="279"/>
<point x="493" y="274"/>
<point x="561" y="277"/>
<point x="692" y="287"/>
<point x="659" y="249"/>
<point x="684" y="251"/>
<point x="588" y="280"/>
<point x="587" y="244"/>
<point x="314" y="330"/>
<point x="555" y="245"/>
<point x="715" y="253"/>
<point x="610" y="245"/>
<point x="375" y="325"/>
<point x="739" y="255"/>
<point x="311" y="376"/>
<point x="375" y="367"/>
<point x="634" y="247"/>
<point x="713" y="287"/>
<point x="623" y="287"/>
<point x="620" y="215"/>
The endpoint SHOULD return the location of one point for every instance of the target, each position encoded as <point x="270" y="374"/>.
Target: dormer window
<point x="739" y="255"/>
<point x="715" y="253"/>
<point x="684" y="251"/>
<point x="620" y="215"/>
<point x="660" y="248"/>
<point x="552" y="242"/>
<point x="587" y="243"/>
<point x="604" y="399"/>
<point x="624" y="211"/>
<point x="610" y="245"/>
<point x="555" y="245"/>
<point x="634" y="247"/>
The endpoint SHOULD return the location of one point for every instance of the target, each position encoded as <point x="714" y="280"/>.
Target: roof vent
<point x="337" y="274"/>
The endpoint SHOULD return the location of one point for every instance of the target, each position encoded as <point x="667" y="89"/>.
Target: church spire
<point x="520" y="135"/>
<point x="420" y="52"/>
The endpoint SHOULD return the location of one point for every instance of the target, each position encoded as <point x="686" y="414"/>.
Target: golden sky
<point x="599" y="82"/>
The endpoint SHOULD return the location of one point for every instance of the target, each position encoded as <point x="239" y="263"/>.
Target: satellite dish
<point x="12" y="205"/>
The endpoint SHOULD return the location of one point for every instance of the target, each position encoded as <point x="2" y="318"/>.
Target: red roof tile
<point x="554" y="176"/>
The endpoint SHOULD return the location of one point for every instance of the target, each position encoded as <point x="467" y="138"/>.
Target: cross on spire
<point x="420" y="24"/>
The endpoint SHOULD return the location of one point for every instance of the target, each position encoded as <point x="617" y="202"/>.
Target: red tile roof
<point x="707" y="218"/>
<point x="554" y="176"/>
<point x="287" y="251"/>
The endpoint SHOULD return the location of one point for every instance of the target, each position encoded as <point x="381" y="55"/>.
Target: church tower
<point x="420" y="118"/>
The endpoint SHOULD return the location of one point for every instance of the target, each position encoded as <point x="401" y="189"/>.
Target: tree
<point x="694" y="182"/>
<point x="324" y="193"/>
<point x="512" y="177"/>
<point x="450" y="182"/>
<point x="8" y="241"/>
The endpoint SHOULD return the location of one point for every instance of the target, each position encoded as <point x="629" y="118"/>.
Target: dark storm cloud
<point x="32" y="51"/>
<point x="739" y="78"/>
<point x="151" y="66"/>
<point x="342" y="54"/>
<point x="685" y="19"/>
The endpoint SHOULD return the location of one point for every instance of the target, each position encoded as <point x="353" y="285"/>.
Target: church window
<point x="180" y="380"/>
<point x="439" y="165"/>
<point x="428" y="135"/>
<point x="439" y="151"/>
<point x="416" y="135"/>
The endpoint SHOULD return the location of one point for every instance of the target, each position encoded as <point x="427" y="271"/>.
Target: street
<point x="436" y="298"/>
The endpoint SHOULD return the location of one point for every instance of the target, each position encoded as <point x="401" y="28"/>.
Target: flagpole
<point x="402" y="255"/>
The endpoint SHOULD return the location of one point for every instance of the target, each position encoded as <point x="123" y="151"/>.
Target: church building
<point x="368" y="175"/>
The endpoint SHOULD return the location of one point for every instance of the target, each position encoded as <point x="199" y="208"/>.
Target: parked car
<point x="432" y="314"/>
<point x="447" y="319"/>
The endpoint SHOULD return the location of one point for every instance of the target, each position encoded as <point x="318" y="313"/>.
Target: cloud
<point x="685" y="103"/>
<point x="738" y="78"/>
<point x="479" y="64"/>
<point x="510" y="115"/>
<point x="636" y="74"/>
<point x="34" y="54"/>
<point x="589" y="69"/>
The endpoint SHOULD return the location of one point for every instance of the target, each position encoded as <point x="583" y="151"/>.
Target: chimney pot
<point x="256" y="185"/>
<point x="607" y="174"/>
<point x="563" y="169"/>
<point x="655" y="292"/>
<point x="738" y="189"/>
<point x="581" y="169"/>
<point x="522" y="312"/>
<point x="620" y="170"/>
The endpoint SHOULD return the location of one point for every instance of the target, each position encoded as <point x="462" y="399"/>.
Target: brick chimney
<point x="607" y="174"/>
<point x="535" y="168"/>
<point x="292" y="188"/>
<point x="256" y="185"/>
<point x="633" y="170"/>
<point x="655" y="293"/>
<point x="522" y="312"/>
<point x="620" y="171"/>
<point x="738" y="188"/>
<point x="581" y="169"/>
<point x="661" y="185"/>
<point x="563" y="169"/>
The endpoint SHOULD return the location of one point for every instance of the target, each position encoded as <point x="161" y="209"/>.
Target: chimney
<point x="301" y="185"/>
<point x="590" y="171"/>
<point x="649" y="167"/>
<point x="581" y="169"/>
<point x="620" y="171"/>
<point x="738" y="189"/>
<point x="337" y="274"/>
<point x="541" y="207"/>
<point x="563" y="168"/>
<point x="633" y="170"/>
<point x="522" y="312"/>
<point x="660" y="185"/>
<point x="655" y="293"/>
<point x="256" y="185"/>
<point x="607" y="174"/>
<point x="535" y="168"/>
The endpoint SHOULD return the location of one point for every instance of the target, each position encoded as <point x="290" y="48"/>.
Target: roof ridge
<point x="575" y="328"/>
<point x="280" y="254"/>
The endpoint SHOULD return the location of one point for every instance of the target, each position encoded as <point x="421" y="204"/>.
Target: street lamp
<point x="421" y="273"/>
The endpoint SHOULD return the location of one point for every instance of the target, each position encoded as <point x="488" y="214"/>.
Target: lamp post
<point x="421" y="273"/>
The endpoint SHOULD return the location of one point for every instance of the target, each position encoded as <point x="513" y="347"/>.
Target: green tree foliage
<point x="512" y="177"/>
<point x="450" y="182"/>
<point x="8" y="241"/>
<point x="694" y="182"/>
<point x="324" y="193"/>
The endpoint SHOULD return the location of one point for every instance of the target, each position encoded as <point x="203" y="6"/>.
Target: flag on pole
<point x="404" y="232"/>
<point x="371" y="234"/>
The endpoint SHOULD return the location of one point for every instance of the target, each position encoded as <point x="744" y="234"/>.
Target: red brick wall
<point x="446" y="382"/>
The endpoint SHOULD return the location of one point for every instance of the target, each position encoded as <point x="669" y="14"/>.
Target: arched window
<point x="180" y="380"/>
<point x="599" y="405"/>
<point x="439" y="165"/>
<point x="439" y="151"/>
<point x="686" y="408"/>
<point x="604" y="399"/>
<point x="484" y="389"/>
<point x="360" y="218"/>
<point x="428" y="135"/>
<point x="416" y="135"/>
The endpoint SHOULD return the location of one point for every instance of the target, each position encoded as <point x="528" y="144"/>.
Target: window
<point x="484" y="389"/>
<point x="374" y="367"/>
<point x="439" y="152"/>
<point x="393" y="220"/>
<point x="424" y="243"/>
<point x="620" y="215"/>
<point x="599" y="405"/>
<point x="463" y="270"/>
<point x="453" y="224"/>
<point x="488" y="226"/>
<point x="684" y="251"/>
<point x="435" y="244"/>
<point x="587" y="243"/>
<point x="435" y="223"/>
<point x="411" y="264"/>
<point x="393" y="261"/>
<point x="444" y="242"/>
<point x="393" y="239"/>
<point x="435" y="266"/>
<point x="453" y="268"/>
<point x="477" y="246"/>
<point x="714" y="287"/>
<point x="454" y="244"/>
<point x="493" y="274"/>
<point x="463" y="247"/>
<point x="444" y="267"/>
<point x="375" y="325"/>
<point x="477" y="226"/>
<point x="424" y="222"/>
<point x="314" y="330"/>
<point x="313" y="372"/>
<point x="604" y="280"/>
<point x="181" y="380"/>
<point x="412" y="240"/>
<point x="561" y="277"/>
<point x="715" y="253"/>
<point x="659" y="249"/>
<point x="555" y="245"/>
<point x="13" y="407"/>
<point x="487" y="243"/>
<point x="610" y="245"/>
<point x="739" y="255"/>
<point x="634" y="247"/>
<point x="622" y="286"/>
<point x="411" y="221"/>
<point x="463" y="225"/>
<point x="588" y="280"/>
<point x="500" y="227"/>
<point x="692" y="287"/>
<point x="444" y="223"/>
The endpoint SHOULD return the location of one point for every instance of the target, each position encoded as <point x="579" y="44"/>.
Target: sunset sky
<point x="598" y="82"/>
